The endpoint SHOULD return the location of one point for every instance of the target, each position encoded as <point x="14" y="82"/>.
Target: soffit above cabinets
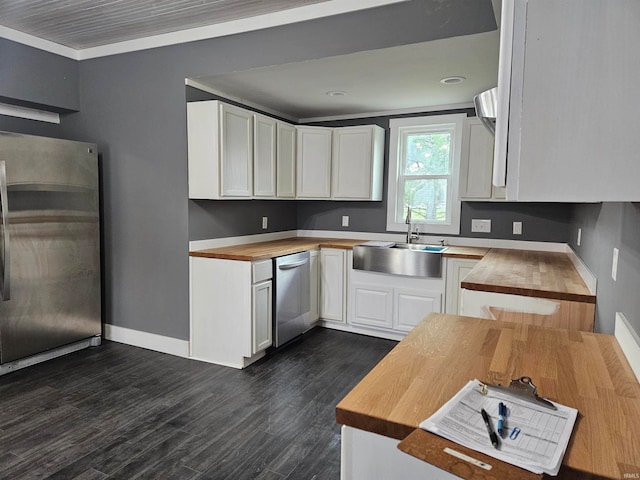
<point x="83" y="24"/>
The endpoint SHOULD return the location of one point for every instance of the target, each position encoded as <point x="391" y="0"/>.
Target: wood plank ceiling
<point x="83" y="24"/>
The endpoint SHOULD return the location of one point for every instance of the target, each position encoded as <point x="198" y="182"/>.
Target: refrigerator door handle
<point x="5" y="284"/>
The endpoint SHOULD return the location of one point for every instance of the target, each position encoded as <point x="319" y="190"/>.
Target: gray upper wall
<point x="133" y="106"/>
<point x="33" y="78"/>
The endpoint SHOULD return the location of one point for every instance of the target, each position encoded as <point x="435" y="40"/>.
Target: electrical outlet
<point x="517" y="228"/>
<point x="483" y="226"/>
<point x="614" y="264"/>
<point x="345" y="220"/>
<point x="579" y="237"/>
<point x="264" y="222"/>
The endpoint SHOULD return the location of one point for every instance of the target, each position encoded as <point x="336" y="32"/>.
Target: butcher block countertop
<point x="277" y="248"/>
<point x="584" y="370"/>
<point x="530" y="273"/>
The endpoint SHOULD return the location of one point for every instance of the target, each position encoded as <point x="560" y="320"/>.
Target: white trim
<point x="390" y="113"/>
<point x="29" y="113"/>
<point x="587" y="276"/>
<point x="396" y="126"/>
<point x="372" y="332"/>
<point x="242" y="240"/>
<point x="629" y="342"/>
<point x="275" y="19"/>
<point x="39" y="43"/>
<point x="150" y="341"/>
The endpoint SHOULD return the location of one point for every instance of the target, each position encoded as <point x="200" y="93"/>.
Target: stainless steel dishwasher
<point x="292" y="305"/>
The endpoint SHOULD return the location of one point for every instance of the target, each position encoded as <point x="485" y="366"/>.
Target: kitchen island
<point x="583" y="370"/>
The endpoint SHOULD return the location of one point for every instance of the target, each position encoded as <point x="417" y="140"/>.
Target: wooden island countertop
<point x="529" y="273"/>
<point x="587" y="371"/>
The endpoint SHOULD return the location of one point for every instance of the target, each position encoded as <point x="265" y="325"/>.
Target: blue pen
<point x="502" y="413"/>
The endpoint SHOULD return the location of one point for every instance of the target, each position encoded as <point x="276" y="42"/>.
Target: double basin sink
<point x="411" y="259"/>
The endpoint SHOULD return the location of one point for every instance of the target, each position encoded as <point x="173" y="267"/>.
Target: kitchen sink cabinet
<point x="566" y="131"/>
<point x="391" y="303"/>
<point x="230" y="310"/>
<point x="476" y="164"/>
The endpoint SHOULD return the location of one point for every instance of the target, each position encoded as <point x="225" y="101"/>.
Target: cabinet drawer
<point x="262" y="270"/>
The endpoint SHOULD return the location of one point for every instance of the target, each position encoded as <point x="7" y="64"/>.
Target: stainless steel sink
<point x="412" y="259"/>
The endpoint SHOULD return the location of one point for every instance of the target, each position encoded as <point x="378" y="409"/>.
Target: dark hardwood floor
<point x="121" y="412"/>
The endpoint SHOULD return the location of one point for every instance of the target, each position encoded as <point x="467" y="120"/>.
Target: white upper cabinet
<point x="236" y="152"/>
<point x="476" y="163"/>
<point x="220" y="143"/>
<point x="567" y="87"/>
<point x="357" y="163"/>
<point x="264" y="156"/>
<point x="286" y="161"/>
<point x="313" y="162"/>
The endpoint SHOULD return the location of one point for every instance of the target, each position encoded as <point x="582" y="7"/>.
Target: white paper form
<point x="540" y="445"/>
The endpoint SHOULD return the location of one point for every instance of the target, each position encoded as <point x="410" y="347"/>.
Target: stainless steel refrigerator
<point x="50" y="296"/>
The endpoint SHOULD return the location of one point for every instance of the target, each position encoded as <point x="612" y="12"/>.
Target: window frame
<point x="453" y="123"/>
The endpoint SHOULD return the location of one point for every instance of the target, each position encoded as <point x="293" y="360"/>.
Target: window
<point x="424" y="164"/>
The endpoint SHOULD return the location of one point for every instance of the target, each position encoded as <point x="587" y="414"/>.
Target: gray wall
<point x="34" y="78"/>
<point x="605" y="226"/>
<point x="133" y="106"/>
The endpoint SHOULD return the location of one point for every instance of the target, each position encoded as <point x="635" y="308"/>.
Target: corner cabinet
<point x="476" y="164"/>
<point x="566" y="127"/>
<point x="230" y="310"/>
<point x="357" y="163"/>
<point x="344" y="163"/>
<point x="313" y="158"/>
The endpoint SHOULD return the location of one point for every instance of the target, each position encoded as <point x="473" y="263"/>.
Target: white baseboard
<point x="629" y="342"/>
<point x="150" y="341"/>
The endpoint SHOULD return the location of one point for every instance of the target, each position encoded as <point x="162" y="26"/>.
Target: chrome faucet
<point x="410" y="235"/>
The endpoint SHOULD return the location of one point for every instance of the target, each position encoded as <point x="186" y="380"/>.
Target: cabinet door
<point x="412" y="305"/>
<point x="476" y="165"/>
<point x="357" y="163"/>
<point x="332" y="284"/>
<point x="264" y="156"/>
<point x="371" y="305"/>
<point x="314" y="286"/>
<point x="457" y="269"/>
<point x="313" y="162"/>
<point x="261" y="316"/>
<point x="203" y="149"/>
<point x="286" y="161"/>
<point x="236" y="151"/>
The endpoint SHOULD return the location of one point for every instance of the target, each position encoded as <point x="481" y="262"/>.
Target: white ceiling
<point x="83" y="24"/>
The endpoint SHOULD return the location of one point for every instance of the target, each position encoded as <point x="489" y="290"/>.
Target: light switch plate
<point x="345" y="220"/>
<point x="614" y="264"/>
<point x="264" y="222"/>
<point x="517" y="228"/>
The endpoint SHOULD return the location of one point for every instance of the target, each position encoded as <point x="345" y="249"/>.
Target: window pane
<point x="427" y="154"/>
<point x="428" y="199"/>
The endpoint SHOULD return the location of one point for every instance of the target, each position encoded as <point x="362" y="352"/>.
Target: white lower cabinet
<point x="230" y="310"/>
<point x="391" y="303"/>
<point x="261" y="316"/>
<point x="457" y="269"/>
<point x="333" y="283"/>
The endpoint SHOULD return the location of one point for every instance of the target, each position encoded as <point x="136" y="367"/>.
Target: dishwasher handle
<point x="5" y="260"/>
<point x="289" y="266"/>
